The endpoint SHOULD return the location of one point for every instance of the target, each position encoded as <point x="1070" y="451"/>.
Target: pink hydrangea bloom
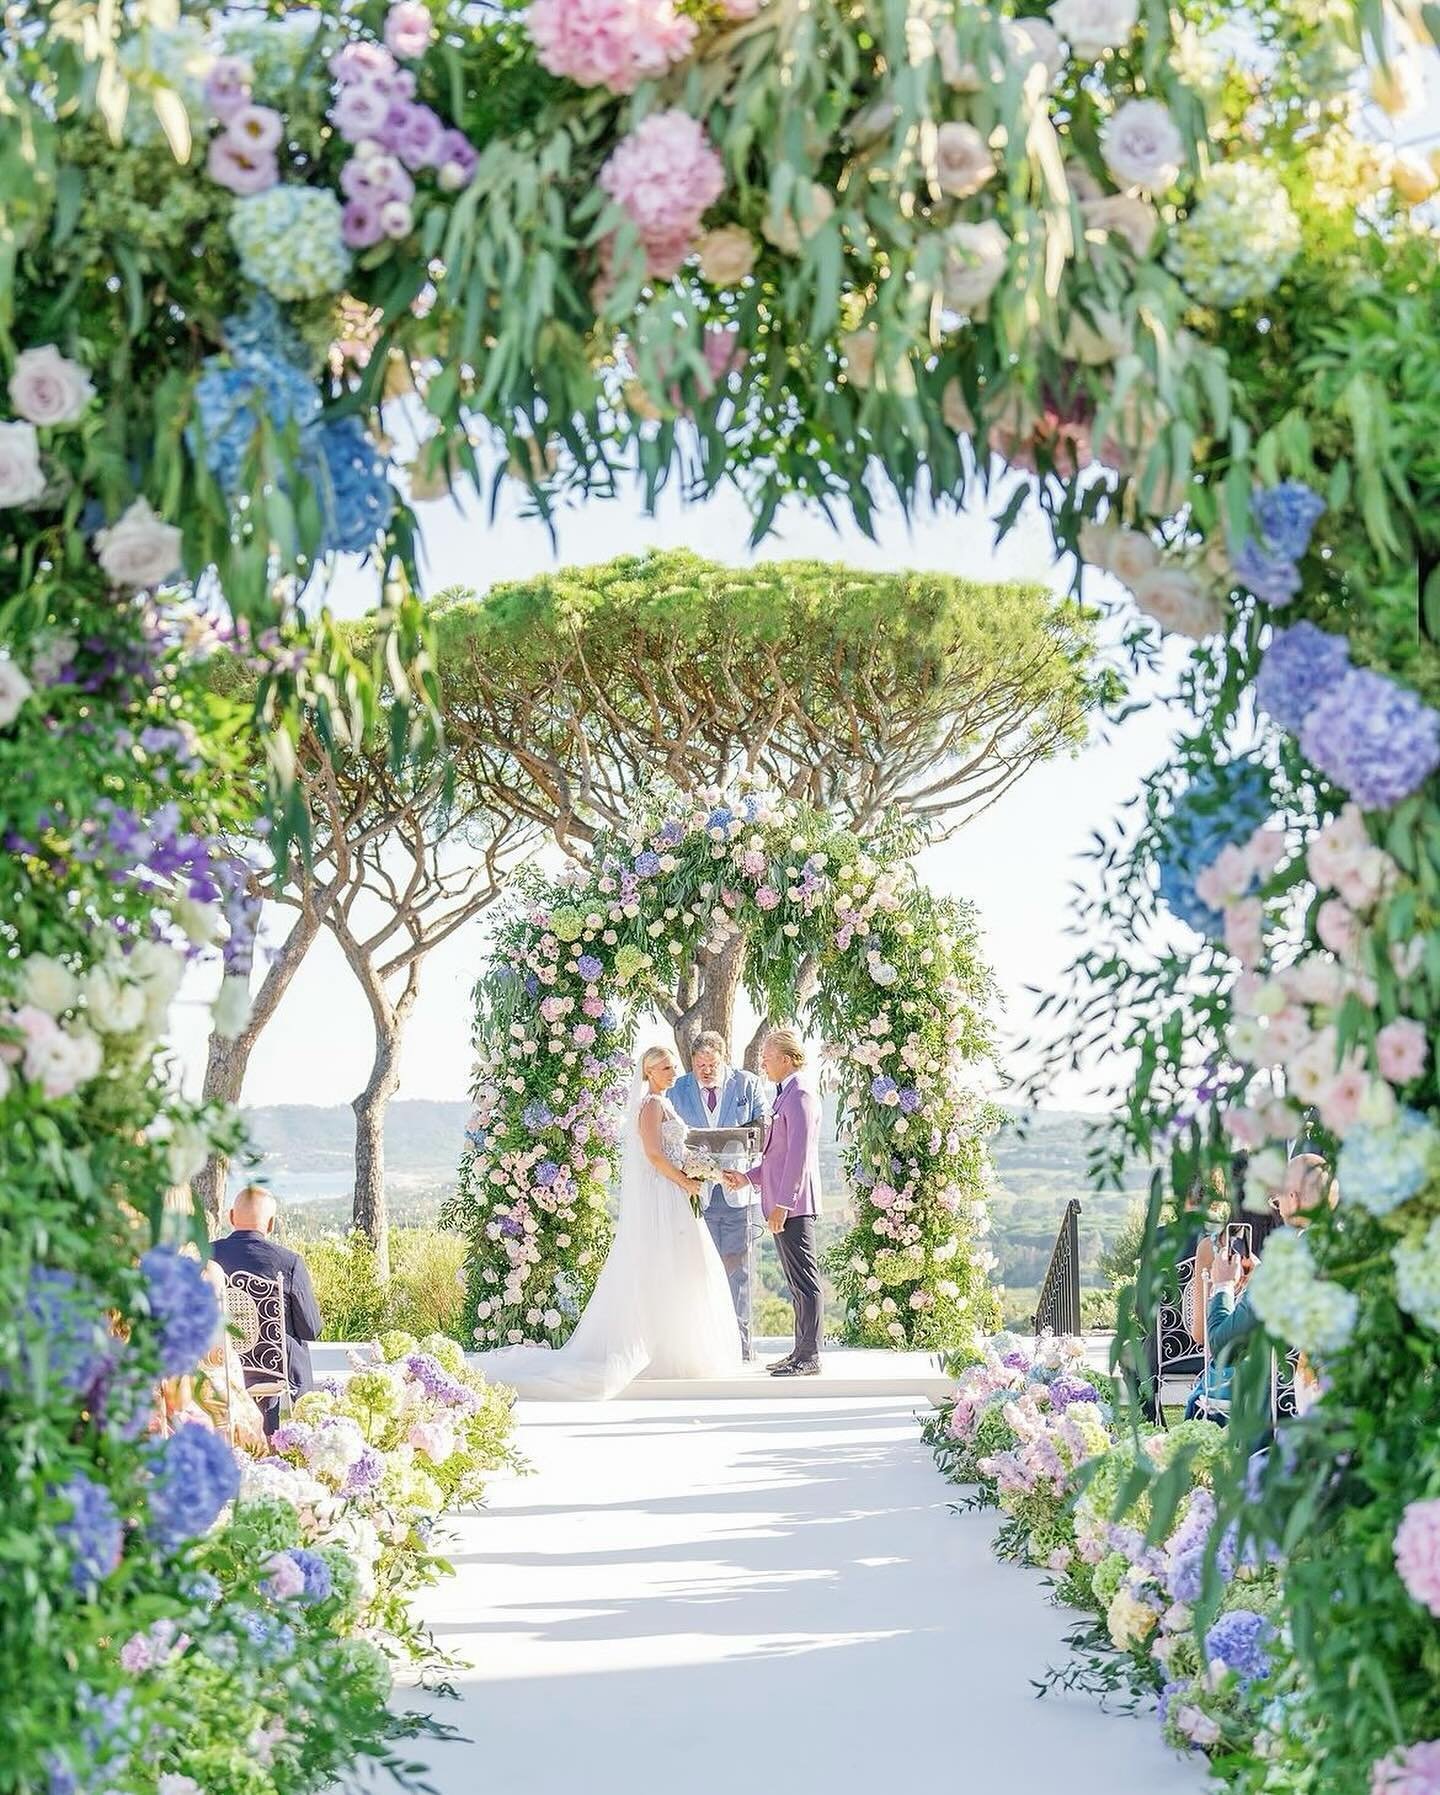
<point x="767" y="897"/>
<point x="609" y="43"/>
<point x="1413" y="1770"/>
<point x="1401" y="1049"/>
<point x="1417" y="1553"/>
<point x="665" y="174"/>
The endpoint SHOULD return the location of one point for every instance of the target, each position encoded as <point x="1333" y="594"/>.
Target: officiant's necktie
<point x="711" y="1098"/>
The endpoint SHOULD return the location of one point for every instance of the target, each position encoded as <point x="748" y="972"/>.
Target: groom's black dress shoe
<point x="778" y="1365"/>
<point x="798" y="1368"/>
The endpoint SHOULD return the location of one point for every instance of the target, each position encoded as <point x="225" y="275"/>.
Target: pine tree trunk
<point x="370" y="1208"/>
<point x="227" y="1060"/>
<point x="712" y="998"/>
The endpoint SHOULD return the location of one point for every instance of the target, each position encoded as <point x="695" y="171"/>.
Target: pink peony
<point x="1336" y="926"/>
<point x="1417" y="1552"/>
<point x="609" y="43"/>
<point x="1401" y="1050"/>
<point x="1411" y="1770"/>
<point x="664" y="175"/>
<point x="233" y="164"/>
<point x="407" y="29"/>
<point x="767" y="897"/>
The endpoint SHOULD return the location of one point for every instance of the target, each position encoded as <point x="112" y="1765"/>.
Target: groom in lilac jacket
<point x="788" y="1178"/>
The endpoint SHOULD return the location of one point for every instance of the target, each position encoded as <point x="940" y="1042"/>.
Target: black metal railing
<point x="1058" y="1311"/>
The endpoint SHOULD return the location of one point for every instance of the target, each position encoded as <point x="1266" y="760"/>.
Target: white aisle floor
<point x="727" y="1596"/>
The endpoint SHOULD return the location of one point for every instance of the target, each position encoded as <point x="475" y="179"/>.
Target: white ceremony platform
<point x="726" y="1593"/>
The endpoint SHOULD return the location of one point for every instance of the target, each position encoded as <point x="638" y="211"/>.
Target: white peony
<point x="963" y="163"/>
<point x="61" y="1061"/>
<point x="1179" y="603"/>
<point x="1132" y="554"/>
<point x="231" y="1009"/>
<point x="1033" y="40"/>
<point x="974" y="264"/>
<point x="1091" y="27"/>
<point x="45" y="388"/>
<point x="21" y="479"/>
<point x="139" y="550"/>
<point x="114" y="1002"/>
<point x="48" y="984"/>
<point x="14" y="690"/>
<point x="1141" y="146"/>
<point x="1123" y="215"/>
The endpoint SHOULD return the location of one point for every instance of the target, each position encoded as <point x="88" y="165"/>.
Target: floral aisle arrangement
<point x="899" y="999"/>
<point x="1180" y="1617"/>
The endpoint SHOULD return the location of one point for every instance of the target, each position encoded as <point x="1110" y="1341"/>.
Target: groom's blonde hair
<point x="789" y="1043"/>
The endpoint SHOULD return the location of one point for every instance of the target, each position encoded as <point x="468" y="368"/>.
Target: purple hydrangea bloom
<point x="1376" y="739"/>
<point x="265" y="1630"/>
<point x="93" y="1534"/>
<point x="1066" y="1390"/>
<point x="589" y="968"/>
<point x="428" y="1373"/>
<point x="1240" y="1641"/>
<point x="671" y="833"/>
<point x="365" y="1474"/>
<point x="536" y="1116"/>
<point x="909" y="1100"/>
<point x="1271" y="577"/>
<point x="182" y="1306"/>
<point x="647" y="864"/>
<point x="291" y="1436"/>
<point x="331" y="1386"/>
<point x="546" y="1173"/>
<point x="1300" y="663"/>
<point x="63" y="1335"/>
<point x="316" y="1572"/>
<point x="1287" y="515"/>
<point x="195" y="1476"/>
<point x="1015" y="1361"/>
<point x="881" y="1087"/>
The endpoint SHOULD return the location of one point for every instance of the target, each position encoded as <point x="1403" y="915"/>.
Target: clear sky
<point x="1015" y="862"/>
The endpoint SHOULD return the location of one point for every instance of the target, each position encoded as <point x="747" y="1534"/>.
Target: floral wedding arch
<point x="898" y="993"/>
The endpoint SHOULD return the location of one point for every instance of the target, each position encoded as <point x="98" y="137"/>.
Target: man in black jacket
<point x="252" y="1247"/>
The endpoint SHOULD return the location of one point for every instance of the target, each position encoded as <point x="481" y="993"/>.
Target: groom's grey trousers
<point x="730" y="1227"/>
<point x="795" y="1243"/>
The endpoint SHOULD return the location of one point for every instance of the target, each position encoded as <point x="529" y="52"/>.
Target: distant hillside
<point x="305" y="1154"/>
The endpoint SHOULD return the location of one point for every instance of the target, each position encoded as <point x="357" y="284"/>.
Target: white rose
<point x="114" y="1003"/>
<point x="48" y="984"/>
<point x="231" y="1009"/>
<point x="963" y="163"/>
<point x="61" y="1062"/>
<point x="21" y="481"/>
<point x="14" y="690"/>
<point x="1029" y="41"/>
<point x="726" y="255"/>
<point x="1178" y="603"/>
<point x="1123" y="215"/>
<point x="974" y="263"/>
<point x="1133" y="554"/>
<point x="1091" y="27"/>
<point x="139" y="550"/>
<point x="201" y="922"/>
<point x="186" y="1152"/>
<point x="1141" y="146"/>
<point x="812" y="208"/>
<point x="48" y="389"/>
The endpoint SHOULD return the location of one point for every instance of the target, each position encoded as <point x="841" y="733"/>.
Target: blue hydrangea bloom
<point x="721" y="818"/>
<point x="1381" y="1168"/>
<point x="233" y="397"/>
<point x="1240" y="1640"/>
<point x="316" y="1571"/>
<point x="589" y="968"/>
<point x="1271" y="577"/>
<point x="182" y="1306"/>
<point x="1300" y="663"/>
<point x="1376" y="739"/>
<point x="349" y="475"/>
<point x="1287" y="515"/>
<point x="536" y="1116"/>
<point x="63" y="1337"/>
<point x="546" y="1173"/>
<point x="195" y="1475"/>
<point x="92" y="1533"/>
<point x="647" y="864"/>
<point x="1223" y="805"/>
<point x="881" y="1087"/>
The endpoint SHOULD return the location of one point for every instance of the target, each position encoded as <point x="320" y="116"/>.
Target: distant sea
<point x="319" y="1187"/>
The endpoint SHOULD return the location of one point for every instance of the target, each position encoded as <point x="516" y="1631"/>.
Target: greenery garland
<point x="899" y="995"/>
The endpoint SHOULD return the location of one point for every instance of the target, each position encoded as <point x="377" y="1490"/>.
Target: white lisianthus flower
<point x="61" y="1060"/>
<point x="114" y="1003"/>
<point x="48" y="984"/>
<point x="1091" y="27"/>
<point x="231" y="1009"/>
<point x="1141" y="146"/>
<point x="45" y="388"/>
<point x="14" y="690"/>
<point x="1123" y="215"/>
<point x="811" y="209"/>
<point x="139" y="550"/>
<point x="22" y="480"/>
<point x="974" y="264"/>
<point x="727" y="255"/>
<point x="202" y="923"/>
<point x="963" y="163"/>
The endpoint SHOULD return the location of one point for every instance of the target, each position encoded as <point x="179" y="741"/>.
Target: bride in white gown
<point x="661" y="1307"/>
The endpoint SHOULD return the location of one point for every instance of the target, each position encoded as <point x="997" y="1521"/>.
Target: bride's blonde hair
<point x="651" y="1054"/>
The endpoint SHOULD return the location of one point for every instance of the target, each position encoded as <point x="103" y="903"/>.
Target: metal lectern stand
<point x="736" y="1148"/>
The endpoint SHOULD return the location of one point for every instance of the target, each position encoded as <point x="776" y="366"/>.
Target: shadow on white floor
<point x="726" y="1597"/>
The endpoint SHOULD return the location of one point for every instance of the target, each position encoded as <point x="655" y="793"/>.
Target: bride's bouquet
<point x="704" y="1165"/>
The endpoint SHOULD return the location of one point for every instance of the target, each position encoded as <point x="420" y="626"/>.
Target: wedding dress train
<point x="661" y="1307"/>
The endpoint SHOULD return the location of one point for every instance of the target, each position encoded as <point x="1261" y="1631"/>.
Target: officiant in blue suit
<point x="714" y="1094"/>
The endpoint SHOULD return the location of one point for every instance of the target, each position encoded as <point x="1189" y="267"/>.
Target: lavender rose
<point x="140" y="550"/>
<point x="45" y="388"/>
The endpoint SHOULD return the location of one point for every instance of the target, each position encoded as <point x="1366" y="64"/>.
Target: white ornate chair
<point x="255" y="1308"/>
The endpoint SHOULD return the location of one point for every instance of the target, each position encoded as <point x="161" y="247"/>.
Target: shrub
<point x="422" y="1296"/>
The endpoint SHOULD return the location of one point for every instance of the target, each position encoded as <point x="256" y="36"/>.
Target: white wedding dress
<point x="661" y="1307"/>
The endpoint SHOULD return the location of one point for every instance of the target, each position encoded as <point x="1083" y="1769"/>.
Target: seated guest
<point x="252" y="1247"/>
<point x="1230" y="1316"/>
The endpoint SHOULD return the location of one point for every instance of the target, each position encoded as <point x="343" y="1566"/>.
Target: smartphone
<point x="1238" y="1238"/>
